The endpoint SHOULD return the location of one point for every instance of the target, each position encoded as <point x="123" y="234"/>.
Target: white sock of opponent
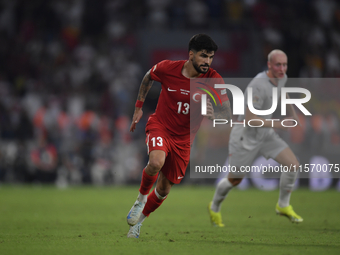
<point x="222" y="189"/>
<point x="287" y="182"/>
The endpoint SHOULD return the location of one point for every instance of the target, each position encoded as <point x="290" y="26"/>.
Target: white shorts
<point x="239" y="155"/>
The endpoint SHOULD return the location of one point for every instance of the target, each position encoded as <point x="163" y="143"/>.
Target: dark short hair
<point x="202" y="42"/>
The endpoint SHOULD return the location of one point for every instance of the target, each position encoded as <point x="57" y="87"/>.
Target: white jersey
<point x="262" y="100"/>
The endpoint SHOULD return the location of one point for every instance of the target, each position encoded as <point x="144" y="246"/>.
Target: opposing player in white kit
<point x="246" y="142"/>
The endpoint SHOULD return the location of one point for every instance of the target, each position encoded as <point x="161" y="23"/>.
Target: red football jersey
<point x="173" y="108"/>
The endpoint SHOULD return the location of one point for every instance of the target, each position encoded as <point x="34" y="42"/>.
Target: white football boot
<point x="135" y="212"/>
<point x="134" y="231"/>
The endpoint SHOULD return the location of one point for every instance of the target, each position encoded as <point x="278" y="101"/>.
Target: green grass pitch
<point x="89" y="220"/>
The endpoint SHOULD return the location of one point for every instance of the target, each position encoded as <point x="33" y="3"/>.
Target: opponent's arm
<point x="291" y="112"/>
<point x="143" y="91"/>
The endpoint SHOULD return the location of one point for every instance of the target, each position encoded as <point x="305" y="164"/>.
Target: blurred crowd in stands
<point x="70" y="73"/>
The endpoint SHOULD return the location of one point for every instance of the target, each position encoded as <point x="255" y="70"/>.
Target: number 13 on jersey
<point x="155" y="143"/>
<point x="159" y="141"/>
<point x="183" y="108"/>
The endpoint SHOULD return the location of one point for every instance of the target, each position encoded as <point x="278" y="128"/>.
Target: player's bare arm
<point x="224" y="111"/>
<point x="143" y="91"/>
<point x="145" y="86"/>
<point x="291" y="112"/>
<point x="210" y="111"/>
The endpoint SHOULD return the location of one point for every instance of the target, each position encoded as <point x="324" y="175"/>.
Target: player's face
<point x="278" y="66"/>
<point x="202" y="60"/>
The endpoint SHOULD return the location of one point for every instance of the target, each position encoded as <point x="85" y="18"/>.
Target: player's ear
<point x="191" y="54"/>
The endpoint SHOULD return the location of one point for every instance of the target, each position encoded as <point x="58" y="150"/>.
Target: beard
<point x="198" y="69"/>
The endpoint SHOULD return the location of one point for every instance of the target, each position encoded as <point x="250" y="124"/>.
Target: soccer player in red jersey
<point x="168" y="135"/>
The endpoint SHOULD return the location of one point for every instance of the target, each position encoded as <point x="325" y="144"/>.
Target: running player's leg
<point x="274" y="147"/>
<point x="223" y="188"/>
<point x="150" y="172"/>
<point x="157" y="196"/>
<point x="221" y="192"/>
<point x="158" y="149"/>
<point x="172" y="172"/>
<point x="149" y="177"/>
<point x="239" y="156"/>
<point x="155" y="199"/>
<point x="287" y="181"/>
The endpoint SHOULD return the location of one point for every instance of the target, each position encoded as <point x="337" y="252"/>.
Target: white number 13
<point x="185" y="106"/>
<point x="159" y="139"/>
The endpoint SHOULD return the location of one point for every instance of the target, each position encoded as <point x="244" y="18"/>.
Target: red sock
<point x="147" y="183"/>
<point x="152" y="203"/>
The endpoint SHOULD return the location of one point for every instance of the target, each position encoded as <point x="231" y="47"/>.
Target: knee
<point x="235" y="181"/>
<point x="294" y="166"/>
<point x="236" y="178"/>
<point x="155" y="164"/>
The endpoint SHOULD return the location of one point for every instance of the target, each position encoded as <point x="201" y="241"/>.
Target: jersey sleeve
<point x="157" y="71"/>
<point x="222" y="93"/>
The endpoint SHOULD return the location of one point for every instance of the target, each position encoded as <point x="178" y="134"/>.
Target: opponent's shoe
<point x="289" y="213"/>
<point x="215" y="217"/>
<point x="134" y="231"/>
<point x="135" y="212"/>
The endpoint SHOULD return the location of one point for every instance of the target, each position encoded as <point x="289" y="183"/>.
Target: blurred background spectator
<point x="71" y="70"/>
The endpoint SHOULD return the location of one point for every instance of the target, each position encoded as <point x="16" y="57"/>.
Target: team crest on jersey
<point x="185" y="92"/>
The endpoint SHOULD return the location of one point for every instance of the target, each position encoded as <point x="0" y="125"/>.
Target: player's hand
<point x="210" y="111"/>
<point x="136" y="117"/>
